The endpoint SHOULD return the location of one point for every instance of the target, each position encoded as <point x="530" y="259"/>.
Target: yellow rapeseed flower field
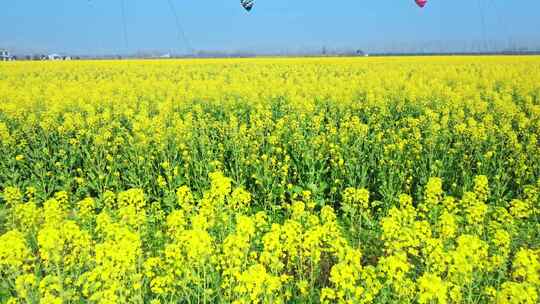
<point x="301" y="180"/>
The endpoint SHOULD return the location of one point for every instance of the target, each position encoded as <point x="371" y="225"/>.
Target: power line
<point x="181" y="33"/>
<point x="482" y="6"/>
<point x="123" y="8"/>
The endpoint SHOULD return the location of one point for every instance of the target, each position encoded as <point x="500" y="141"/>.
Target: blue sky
<point x="95" y="26"/>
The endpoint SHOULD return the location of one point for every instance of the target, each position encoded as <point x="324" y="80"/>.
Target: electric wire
<point x="124" y="24"/>
<point x="180" y="30"/>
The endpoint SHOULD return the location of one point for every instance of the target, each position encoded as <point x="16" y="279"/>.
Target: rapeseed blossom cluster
<point x="316" y="180"/>
<point x="213" y="251"/>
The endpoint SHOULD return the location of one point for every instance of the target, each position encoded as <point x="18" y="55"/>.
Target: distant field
<point x="333" y="180"/>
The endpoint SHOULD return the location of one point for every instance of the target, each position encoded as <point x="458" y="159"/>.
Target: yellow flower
<point x="240" y="199"/>
<point x="526" y="266"/>
<point x="395" y="267"/>
<point x="303" y="286"/>
<point x="434" y="192"/>
<point x="517" y="293"/>
<point x="520" y="209"/>
<point x="481" y="187"/>
<point x="431" y="289"/>
<point x="14" y="252"/>
<point x="239" y="165"/>
<point x="355" y="201"/>
<point x="87" y="207"/>
<point x="184" y="198"/>
<point x="448" y="226"/>
<point x="24" y="285"/>
<point x="12" y="196"/>
<point x="327" y="295"/>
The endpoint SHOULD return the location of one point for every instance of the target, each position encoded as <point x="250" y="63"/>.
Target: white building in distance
<point x="54" y="57"/>
<point x="5" y="56"/>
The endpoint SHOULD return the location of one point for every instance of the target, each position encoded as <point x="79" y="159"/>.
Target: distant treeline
<point x="457" y="53"/>
<point x="207" y="54"/>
